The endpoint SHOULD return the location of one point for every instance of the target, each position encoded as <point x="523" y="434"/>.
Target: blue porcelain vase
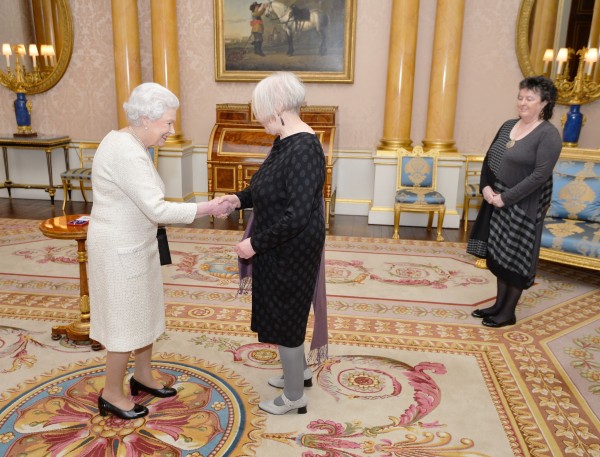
<point x="572" y="125"/>
<point x="22" y="111"/>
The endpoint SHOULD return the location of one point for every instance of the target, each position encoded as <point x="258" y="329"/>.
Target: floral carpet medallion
<point x="410" y="372"/>
<point x="57" y="414"/>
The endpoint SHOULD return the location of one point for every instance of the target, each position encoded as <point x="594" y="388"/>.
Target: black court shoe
<point x="163" y="392"/>
<point x="489" y="322"/>
<point x="481" y="313"/>
<point x="136" y="412"/>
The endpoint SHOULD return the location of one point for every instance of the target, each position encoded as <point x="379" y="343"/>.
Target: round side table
<point x="58" y="228"/>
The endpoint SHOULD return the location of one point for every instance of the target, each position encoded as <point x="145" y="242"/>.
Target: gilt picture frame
<point x="313" y="38"/>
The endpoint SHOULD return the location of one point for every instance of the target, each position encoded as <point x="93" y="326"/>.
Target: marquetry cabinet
<point x="238" y="145"/>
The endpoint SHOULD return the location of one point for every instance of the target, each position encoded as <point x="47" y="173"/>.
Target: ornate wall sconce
<point x="581" y="89"/>
<point x="20" y="78"/>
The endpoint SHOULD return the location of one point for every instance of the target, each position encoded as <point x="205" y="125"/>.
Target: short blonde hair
<point x="150" y="101"/>
<point x="281" y="91"/>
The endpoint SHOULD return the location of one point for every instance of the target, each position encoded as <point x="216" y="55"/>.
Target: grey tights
<point x="293" y="362"/>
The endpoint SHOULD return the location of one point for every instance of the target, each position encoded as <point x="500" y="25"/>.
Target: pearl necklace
<point x="510" y="143"/>
<point x="132" y="132"/>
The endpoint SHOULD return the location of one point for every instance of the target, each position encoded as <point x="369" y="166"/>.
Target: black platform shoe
<point x="163" y="392"/>
<point x="489" y="322"/>
<point x="136" y="412"/>
<point x="481" y="313"/>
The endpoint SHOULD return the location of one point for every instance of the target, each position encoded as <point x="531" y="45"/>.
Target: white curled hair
<point x="150" y="101"/>
<point x="281" y="91"/>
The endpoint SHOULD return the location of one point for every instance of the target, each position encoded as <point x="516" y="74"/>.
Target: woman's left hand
<point x="244" y="249"/>
<point x="497" y="201"/>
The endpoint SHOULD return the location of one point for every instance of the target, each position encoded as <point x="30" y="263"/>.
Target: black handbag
<point x="163" y="246"/>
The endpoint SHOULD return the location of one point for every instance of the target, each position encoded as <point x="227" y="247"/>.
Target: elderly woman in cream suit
<point x="126" y="286"/>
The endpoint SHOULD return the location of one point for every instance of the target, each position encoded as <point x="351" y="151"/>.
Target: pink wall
<point x="83" y="105"/>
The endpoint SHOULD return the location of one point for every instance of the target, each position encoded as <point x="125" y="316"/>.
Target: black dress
<point x="286" y="195"/>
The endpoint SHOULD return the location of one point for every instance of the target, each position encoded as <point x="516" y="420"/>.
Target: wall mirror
<point x="37" y="42"/>
<point x="555" y="24"/>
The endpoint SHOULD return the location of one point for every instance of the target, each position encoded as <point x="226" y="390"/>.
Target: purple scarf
<point x="319" y="344"/>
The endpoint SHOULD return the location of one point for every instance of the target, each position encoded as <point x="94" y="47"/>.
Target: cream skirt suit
<point x="126" y="285"/>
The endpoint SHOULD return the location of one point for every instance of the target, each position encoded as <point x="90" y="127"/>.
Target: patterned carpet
<point x="410" y="372"/>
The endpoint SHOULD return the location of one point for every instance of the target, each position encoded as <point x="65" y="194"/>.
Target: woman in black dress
<point x="288" y="233"/>
<point x="516" y="184"/>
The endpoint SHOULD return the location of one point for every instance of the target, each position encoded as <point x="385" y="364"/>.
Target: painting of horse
<point x="295" y="20"/>
<point x="313" y="38"/>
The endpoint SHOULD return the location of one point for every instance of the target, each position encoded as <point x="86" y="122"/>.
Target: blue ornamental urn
<point x="23" y="115"/>
<point x="572" y="123"/>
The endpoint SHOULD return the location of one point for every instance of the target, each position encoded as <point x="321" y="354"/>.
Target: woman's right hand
<point x="232" y="200"/>
<point x="488" y="194"/>
<point x="219" y="207"/>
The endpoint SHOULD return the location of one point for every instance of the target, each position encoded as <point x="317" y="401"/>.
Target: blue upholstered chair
<point x="416" y="178"/>
<point x="82" y="174"/>
<point x="472" y="175"/>
<point x="572" y="224"/>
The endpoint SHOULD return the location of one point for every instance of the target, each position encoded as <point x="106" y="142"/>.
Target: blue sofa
<point x="572" y="226"/>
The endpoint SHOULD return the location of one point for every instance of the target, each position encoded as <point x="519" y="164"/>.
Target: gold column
<point x="542" y="32"/>
<point x="443" y="83"/>
<point x="126" y="48"/>
<point x="165" y="54"/>
<point x="400" y="75"/>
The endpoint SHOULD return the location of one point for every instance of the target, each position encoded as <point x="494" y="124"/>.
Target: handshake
<point x="219" y="207"/>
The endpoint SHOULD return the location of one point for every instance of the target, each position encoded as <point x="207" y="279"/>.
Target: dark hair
<point x="547" y="90"/>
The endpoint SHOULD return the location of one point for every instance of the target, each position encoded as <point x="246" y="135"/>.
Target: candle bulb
<point x="44" y="52"/>
<point x="548" y="57"/>
<point x="7" y="51"/>
<point x="33" y="52"/>
<point x="561" y="58"/>
<point x="591" y="57"/>
<point x="52" y="55"/>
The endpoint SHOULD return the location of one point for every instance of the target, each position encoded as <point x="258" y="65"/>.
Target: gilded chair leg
<point x="430" y="220"/>
<point x="82" y="187"/>
<point x="466" y="213"/>
<point x="441" y="215"/>
<point x="396" y="234"/>
<point x="66" y="192"/>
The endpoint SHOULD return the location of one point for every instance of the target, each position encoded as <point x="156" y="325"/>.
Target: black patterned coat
<point x="286" y="195"/>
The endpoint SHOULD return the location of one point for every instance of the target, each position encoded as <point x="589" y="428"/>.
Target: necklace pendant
<point x="510" y="144"/>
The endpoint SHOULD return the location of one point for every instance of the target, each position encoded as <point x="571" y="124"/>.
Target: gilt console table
<point x="239" y="144"/>
<point x="47" y="143"/>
